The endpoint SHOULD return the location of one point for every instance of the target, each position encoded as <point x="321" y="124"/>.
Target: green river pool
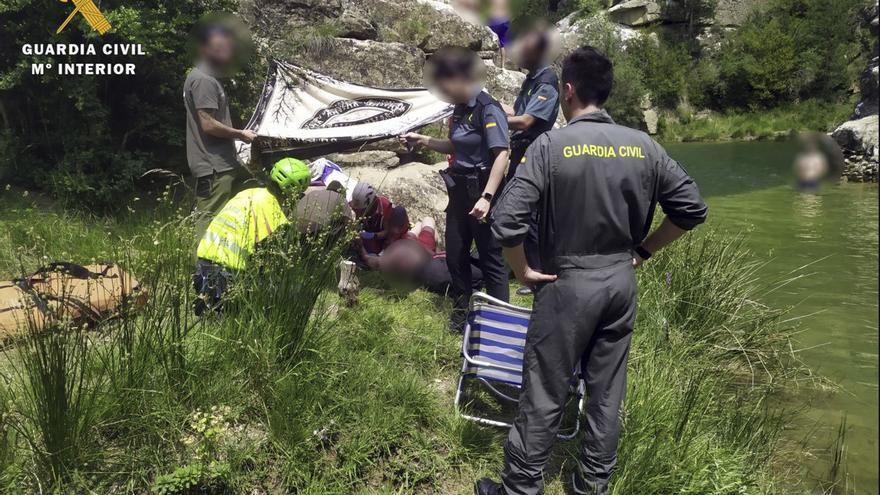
<point x="827" y="241"/>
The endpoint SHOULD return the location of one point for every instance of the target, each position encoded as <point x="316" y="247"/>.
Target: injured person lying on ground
<point x="414" y="257"/>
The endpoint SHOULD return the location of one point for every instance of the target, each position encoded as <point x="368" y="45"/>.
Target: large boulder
<point x="426" y="24"/>
<point x="575" y="31"/>
<point x="503" y="84"/>
<point x="392" y="65"/>
<point x="859" y="141"/>
<point x="859" y="137"/>
<point x="870" y="78"/>
<point x="732" y="13"/>
<point x="372" y="158"/>
<point x="635" y="13"/>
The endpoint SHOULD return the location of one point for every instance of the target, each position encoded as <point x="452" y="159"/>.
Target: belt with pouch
<point x="473" y="180"/>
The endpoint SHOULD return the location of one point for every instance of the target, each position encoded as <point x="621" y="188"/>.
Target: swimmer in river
<point x="819" y="159"/>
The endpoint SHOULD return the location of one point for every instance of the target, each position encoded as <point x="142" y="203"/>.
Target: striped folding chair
<point x="494" y="340"/>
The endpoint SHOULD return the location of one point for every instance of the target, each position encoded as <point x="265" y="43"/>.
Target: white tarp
<point x="308" y="114"/>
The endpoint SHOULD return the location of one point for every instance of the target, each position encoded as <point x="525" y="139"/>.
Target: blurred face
<point x="530" y="54"/>
<point x="218" y="50"/>
<point x="405" y="258"/>
<point x="456" y="90"/>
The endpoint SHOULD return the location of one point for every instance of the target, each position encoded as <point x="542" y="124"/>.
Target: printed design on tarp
<point x="344" y="113"/>
<point x="306" y="114"/>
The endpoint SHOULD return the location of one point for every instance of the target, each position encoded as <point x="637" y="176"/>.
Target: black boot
<point x="487" y="486"/>
<point x="457" y="321"/>
<point x="581" y="487"/>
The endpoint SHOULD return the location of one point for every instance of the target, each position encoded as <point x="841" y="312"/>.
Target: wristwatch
<point x="488" y="196"/>
<point x="642" y="252"/>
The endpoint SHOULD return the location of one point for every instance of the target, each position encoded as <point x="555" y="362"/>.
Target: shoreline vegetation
<point x="290" y="391"/>
<point x="771" y="124"/>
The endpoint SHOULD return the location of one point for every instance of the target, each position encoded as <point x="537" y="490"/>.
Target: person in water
<point x="819" y="159"/>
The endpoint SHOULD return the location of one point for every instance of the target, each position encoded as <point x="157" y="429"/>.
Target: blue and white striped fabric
<point x="498" y="337"/>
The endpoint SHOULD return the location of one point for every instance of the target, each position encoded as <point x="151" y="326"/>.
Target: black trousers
<point x="434" y="276"/>
<point x="463" y="230"/>
<point x="582" y="321"/>
<point x="530" y="244"/>
<point x="210" y="281"/>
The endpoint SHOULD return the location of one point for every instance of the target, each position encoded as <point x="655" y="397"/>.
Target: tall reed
<point x="55" y="394"/>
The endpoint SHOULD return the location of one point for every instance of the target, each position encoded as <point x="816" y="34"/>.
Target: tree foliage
<point x="791" y="51"/>
<point x="88" y="138"/>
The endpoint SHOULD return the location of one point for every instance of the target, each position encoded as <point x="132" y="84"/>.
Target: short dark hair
<point x="591" y="73"/>
<point x="205" y="32"/>
<point x="452" y="62"/>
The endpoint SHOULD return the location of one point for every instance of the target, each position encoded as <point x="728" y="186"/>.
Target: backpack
<point x="65" y="292"/>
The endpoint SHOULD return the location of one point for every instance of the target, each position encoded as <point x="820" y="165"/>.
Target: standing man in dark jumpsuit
<point x="478" y="138"/>
<point x="596" y="185"/>
<point x="534" y="112"/>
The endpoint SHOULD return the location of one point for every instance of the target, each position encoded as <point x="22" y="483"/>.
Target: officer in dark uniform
<point x="537" y="105"/>
<point x="534" y="112"/>
<point x="478" y="139"/>
<point x="596" y="185"/>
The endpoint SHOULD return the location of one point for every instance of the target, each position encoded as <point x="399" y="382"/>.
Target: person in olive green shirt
<point x="210" y="137"/>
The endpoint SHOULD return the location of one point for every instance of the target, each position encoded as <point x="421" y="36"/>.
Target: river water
<point x="830" y="240"/>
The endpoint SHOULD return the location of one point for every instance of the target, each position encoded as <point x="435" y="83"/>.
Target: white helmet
<point x="364" y="195"/>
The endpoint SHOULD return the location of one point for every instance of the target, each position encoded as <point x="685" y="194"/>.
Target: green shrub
<point x="193" y="478"/>
<point x="791" y="50"/>
<point x="629" y="80"/>
<point x="664" y="68"/>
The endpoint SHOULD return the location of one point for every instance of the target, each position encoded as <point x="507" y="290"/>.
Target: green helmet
<point x="291" y="174"/>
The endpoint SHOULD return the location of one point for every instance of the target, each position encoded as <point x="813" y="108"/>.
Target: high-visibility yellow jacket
<point x="248" y="218"/>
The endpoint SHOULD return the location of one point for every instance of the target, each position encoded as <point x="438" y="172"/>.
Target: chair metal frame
<point x="475" y="361"/>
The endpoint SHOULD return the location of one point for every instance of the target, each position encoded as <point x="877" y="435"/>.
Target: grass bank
<point x="290" y="392"/>
<point x="810" y="115"/>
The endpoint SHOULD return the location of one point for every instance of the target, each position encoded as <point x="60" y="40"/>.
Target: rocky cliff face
<point x="859" y="137"/>
<point x="376" y="42"/>
<point x="722" y="13"/>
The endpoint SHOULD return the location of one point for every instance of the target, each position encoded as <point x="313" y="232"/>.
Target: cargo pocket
<point x="204" y="186"/>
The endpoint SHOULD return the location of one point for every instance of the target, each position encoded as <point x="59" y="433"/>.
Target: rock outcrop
<point x="732" y="13"/>
<point x="374" y="63"/>
<point x="382" y="43"/>
<point x="374" y="158"/>
<point x="859" y="141"/>
<point x="870" y="77"/>
<point x="858" y="138"/>
<point x="635" y="13"/>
